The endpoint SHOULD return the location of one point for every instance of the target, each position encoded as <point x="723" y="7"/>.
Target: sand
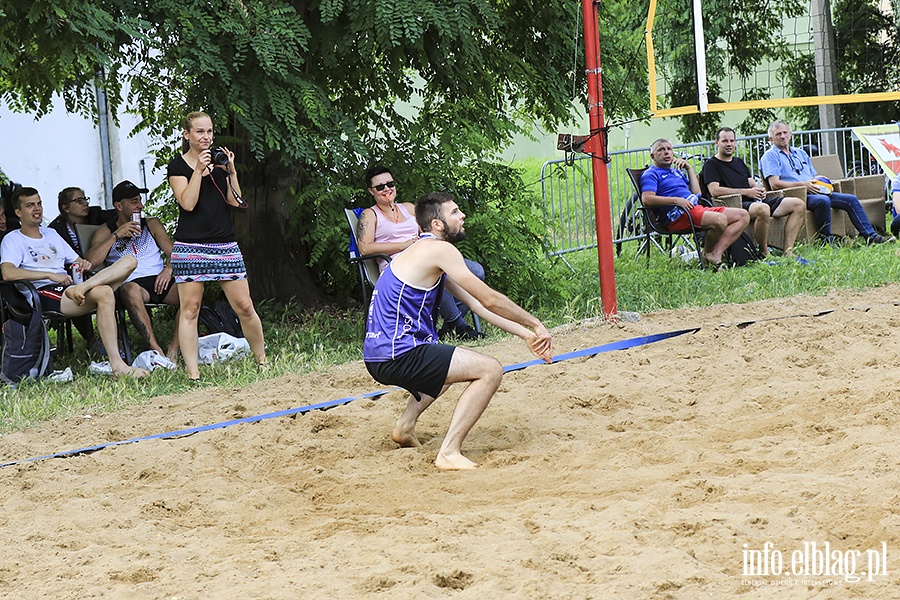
<point x="644" y="473"/>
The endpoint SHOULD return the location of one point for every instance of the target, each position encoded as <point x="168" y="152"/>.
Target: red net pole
<point x="596" y="148"/>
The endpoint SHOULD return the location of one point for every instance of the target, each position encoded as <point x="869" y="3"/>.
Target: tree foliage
<point x="308" y="93"/>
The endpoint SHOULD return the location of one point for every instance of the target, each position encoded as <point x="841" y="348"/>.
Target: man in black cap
<point x="128" y="233"/>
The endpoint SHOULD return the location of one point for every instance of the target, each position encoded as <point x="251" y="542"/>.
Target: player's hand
<point x="541" y="343"/>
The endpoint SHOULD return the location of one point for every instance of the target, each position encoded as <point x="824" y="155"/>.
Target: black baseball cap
<point x="126" y="189"/>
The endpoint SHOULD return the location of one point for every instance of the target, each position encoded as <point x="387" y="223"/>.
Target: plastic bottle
<point x="674" y="213"/>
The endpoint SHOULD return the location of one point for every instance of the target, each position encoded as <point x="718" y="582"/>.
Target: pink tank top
<point x="386" y="231"/>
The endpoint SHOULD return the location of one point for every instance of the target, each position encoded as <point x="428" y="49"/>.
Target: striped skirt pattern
<point x="207" y="262"/>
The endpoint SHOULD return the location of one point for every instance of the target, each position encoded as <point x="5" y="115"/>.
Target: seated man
<point x="784" y="167"/>
<point x="670" y="180"/>
<point x="401" y="345"/>
<point x="40" y="255"/>
<point x="389" y="228"/>
<point x="726" y="174"/>
<point x="146" y="240"/>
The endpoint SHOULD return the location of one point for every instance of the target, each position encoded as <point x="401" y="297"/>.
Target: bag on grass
<point x="221" y="346"/>
<point x="742" y="251"/>
<point x="26" y="349"/>
<point x="221" y="319"/>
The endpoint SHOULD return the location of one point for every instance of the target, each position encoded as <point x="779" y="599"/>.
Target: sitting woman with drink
<point x="205" y="183"/>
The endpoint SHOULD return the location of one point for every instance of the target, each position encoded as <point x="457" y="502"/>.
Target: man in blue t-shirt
<point x="672" y="182"/>
<point x="785" y="167"/>
<point x="401" y="342"/>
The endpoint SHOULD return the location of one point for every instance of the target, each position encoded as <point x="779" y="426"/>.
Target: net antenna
<point x="700" y="53"/>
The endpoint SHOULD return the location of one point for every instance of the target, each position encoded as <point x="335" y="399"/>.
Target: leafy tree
<point x="308" y="93"/>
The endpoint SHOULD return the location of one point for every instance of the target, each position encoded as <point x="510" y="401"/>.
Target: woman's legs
<point x="190" y="295"/>
<point x="238" y="294"/>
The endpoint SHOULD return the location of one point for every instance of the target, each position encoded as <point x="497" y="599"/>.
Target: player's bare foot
<point x="75" y="294"/>
<point x="132" y="372"/>
<point x="453" y="462"/>
<point x="405" y="437"/>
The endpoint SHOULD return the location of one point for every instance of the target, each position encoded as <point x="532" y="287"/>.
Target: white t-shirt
<point x="48" y="253"/>
<point x="143" y="248"/>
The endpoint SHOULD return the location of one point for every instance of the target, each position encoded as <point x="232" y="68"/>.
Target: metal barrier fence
<point x="569" y="199"/>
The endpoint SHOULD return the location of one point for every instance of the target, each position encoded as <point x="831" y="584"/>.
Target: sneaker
<point x="468" y="334"/>
<point x="878" y="239"/>
<point x="445" y="331"/>
<point x="895" y="226"/>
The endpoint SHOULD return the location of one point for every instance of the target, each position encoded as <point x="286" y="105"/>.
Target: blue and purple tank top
<point x="401" y="317"/>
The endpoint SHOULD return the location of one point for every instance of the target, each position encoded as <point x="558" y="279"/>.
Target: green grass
<point x="301" y="341"/>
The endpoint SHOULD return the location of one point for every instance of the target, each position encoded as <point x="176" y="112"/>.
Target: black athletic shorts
<point x="148" y="284"/>
<point x="774" y="202"/>
<point x="51" y="297"/>
<point x="422" y="370"/>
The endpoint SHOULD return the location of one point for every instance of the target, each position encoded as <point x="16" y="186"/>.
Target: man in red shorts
<point x="672" y="181"/>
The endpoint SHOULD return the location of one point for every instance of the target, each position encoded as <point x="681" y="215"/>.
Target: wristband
<point x="116" y="235"/>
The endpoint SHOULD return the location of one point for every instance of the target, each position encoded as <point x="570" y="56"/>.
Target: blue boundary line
<point x="621" y="345"/>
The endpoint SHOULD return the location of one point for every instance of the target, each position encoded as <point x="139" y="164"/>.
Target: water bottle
<point x="674" y="213"/>
<point x="694" y="199"/>
<point x="77" y="276"/>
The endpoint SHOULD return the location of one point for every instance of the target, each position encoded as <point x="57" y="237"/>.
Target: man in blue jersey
<point x="401" y="346"/>
<point x="671" y="189"/>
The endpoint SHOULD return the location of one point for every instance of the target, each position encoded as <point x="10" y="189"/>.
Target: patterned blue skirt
<point x="207" y="262"/>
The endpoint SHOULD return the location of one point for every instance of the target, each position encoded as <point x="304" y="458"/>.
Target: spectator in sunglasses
<point x="390" y="228"/>
<point x="74" y="209"/>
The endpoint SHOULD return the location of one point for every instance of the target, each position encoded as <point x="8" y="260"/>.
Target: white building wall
<point x="62" y="150"/>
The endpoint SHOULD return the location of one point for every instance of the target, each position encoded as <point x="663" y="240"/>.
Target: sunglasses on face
<point x="380" y="187"/>
<point x="81" y="200"/>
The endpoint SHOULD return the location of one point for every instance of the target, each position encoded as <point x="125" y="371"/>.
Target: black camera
<point x="217" y="156"/>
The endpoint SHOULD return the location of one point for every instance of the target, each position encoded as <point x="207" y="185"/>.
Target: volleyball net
<point x="766" y="55"/>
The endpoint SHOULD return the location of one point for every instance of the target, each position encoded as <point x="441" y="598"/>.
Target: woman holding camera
<point x="205" y="184"/>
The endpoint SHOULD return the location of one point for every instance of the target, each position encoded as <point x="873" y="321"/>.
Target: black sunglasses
<point x="380" y="187"/>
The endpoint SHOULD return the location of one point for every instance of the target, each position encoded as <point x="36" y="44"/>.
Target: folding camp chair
<point x="368" y="264"/>
<point x="653" y="228"/>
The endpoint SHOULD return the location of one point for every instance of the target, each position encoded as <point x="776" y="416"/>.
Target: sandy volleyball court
<point x="652" y="472"/>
